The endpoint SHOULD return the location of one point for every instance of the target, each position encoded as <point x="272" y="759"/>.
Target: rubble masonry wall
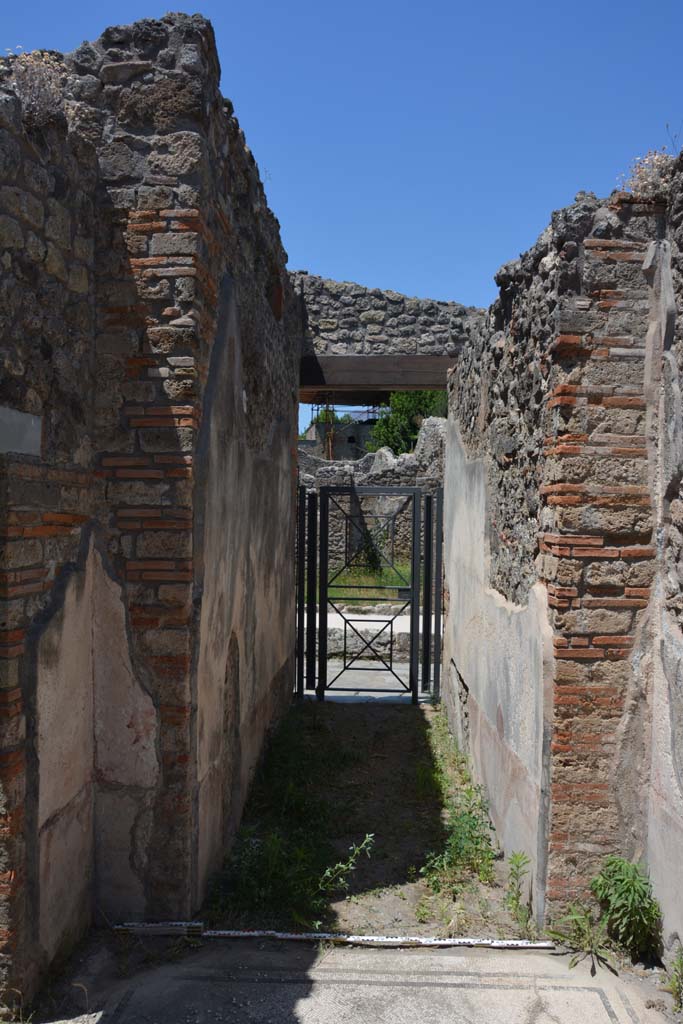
<point x="146" y="570"/>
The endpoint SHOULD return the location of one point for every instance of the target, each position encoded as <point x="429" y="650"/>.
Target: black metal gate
<point x="369" y="591"/>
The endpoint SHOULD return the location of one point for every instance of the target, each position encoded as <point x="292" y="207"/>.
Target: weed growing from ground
<point x="585" y="936"/>
<point x="423" y="911"/>
<point x="674" y="983"/>
<point x="514" y="895"/>
<point x="468" y="847"/>
<point x="15" y="1014"/>
<point x="633" y="915"/>
<point x="283" y="868"/>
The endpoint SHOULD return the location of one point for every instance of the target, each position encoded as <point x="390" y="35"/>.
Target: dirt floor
<point x="387" y="790"/>
<point x="376" y="772"/>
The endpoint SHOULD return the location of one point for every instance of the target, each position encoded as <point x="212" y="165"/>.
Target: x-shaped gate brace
<point x="368" y="645"/>
<point x="366" y="532"/>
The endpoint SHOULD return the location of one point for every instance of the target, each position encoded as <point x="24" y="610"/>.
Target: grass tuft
<point x="283" y="866"/>
<point x="468" y="847"/>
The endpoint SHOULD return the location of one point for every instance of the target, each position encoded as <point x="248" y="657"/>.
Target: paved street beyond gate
<point x="270" y="983"/>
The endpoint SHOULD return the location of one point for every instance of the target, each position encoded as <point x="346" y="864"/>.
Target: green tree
<point x="399" y="422"/>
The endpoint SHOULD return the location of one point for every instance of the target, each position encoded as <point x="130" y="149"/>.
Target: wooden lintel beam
<point x="322" y="375"/>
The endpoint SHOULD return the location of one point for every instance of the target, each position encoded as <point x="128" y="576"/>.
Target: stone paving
<point x="268" y="983"/>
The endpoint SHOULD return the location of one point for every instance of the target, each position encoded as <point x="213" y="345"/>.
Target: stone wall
<point x="342" y="318"/>
<point x="338" y="441"/>
<point x="551" y="425"/>
<point x="148" y="409"/>
<point x="423" y="468"/>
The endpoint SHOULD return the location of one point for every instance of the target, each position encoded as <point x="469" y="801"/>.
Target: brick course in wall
<point x="597" y="552"/>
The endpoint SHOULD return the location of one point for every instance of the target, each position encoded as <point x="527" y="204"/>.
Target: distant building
<point x="339" y="441"/>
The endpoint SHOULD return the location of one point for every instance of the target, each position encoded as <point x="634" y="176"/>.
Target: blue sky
<point x="418" y="147"/>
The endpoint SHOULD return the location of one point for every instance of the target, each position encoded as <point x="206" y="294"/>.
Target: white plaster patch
<point x="125" y="717"/>
<point x="65" y="699"/>
<point x="20" y="432"/>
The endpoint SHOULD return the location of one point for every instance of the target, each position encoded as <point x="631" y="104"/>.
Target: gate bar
<point x="300" y="590"/>
<point x="415" y="599"/>
<point x="312" y="552"/>
<point x="322" y="628"/>
<point x="427" y="596"/>
<point x="438" y="595"/>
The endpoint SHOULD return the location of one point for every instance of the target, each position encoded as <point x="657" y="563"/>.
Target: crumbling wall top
<point x="343" y="318"/>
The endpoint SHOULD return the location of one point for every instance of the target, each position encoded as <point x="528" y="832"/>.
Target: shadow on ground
<point x="333" y="775"/>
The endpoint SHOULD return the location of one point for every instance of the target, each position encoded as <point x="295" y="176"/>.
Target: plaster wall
<point x="96" y="762"/>
<point x="665" y="788"/>
<point x="64" y="750"/>
<point x="665" y="783"/>
<point x="244" y="523"/>
<point x="126" y="761"/>
<point x="495" y="667"/>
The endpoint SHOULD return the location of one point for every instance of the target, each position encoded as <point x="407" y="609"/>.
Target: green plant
<point x="428" y="782"/>
<point x="335" y="878"/>
<point x="585" y="937"/>
<point x="423" y="911"/>
<point x="468" y="845"/>
<point x="276" y="872"/>
<point x="399" y="423"/>
<point x="633" y="915"/>
<point x="468" y="848"/>
<point x="514" y="901"/>
<point x="393" y="576"/>
<point x="674" y="983"/>
<point x="283" y="868"/>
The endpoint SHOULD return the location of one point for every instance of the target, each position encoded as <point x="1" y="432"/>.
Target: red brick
<point x="139" y="474"/>
<point x="584" y="552"/>
<point x="128" y="460"/>
<point x="139" y="512"/>
<point x="65" y="518"/>
<point x="584" y="540"/>
<point x="14" y="651"/>
<point x="11" y="636"/>
<point x="580" y="654"/>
